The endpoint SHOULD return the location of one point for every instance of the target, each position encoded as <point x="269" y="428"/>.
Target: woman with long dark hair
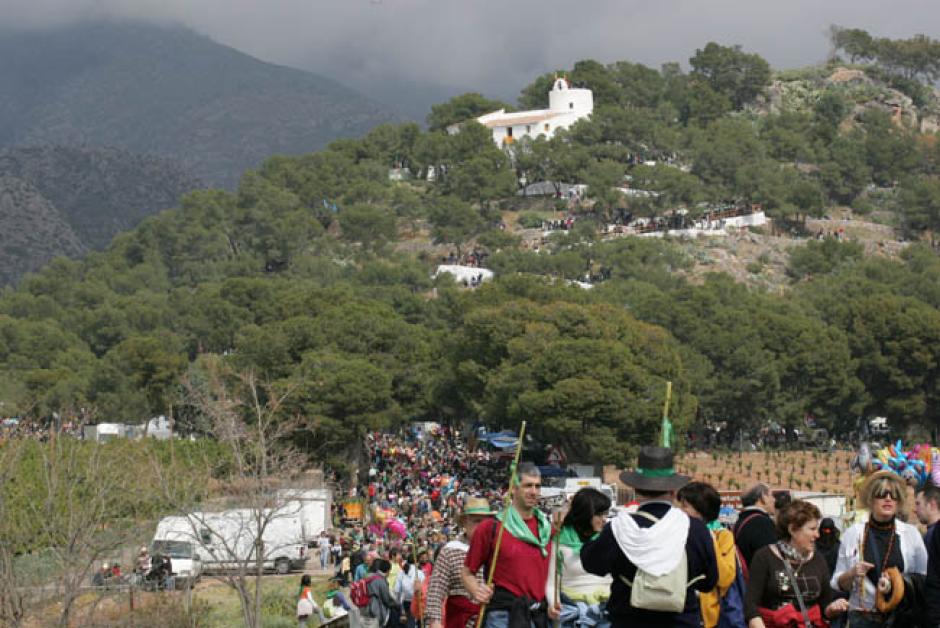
<point x="583" y="596"/>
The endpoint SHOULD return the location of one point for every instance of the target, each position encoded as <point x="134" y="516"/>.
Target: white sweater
<point x="912" y="550"/>
<point x="576" y="583"/>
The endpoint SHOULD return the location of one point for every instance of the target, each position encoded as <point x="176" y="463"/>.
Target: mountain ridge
<point x="68" y="200"/>
<point x="171" y="92"/>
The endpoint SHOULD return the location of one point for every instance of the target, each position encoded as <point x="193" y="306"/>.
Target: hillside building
<point x="566" y="105"/>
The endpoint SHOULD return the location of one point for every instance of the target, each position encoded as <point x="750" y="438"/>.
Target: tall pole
<point x="507" y="503"/>
<point x="666" y="434"/>
<point x="414" y="561"/>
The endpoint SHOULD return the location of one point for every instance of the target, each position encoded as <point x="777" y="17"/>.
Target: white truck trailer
<point x="313" y="508"/>
<point x="229" y="540"/>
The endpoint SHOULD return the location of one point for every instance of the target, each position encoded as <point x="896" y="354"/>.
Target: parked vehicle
<point x="555" y="497"/>
<point x="313" y="508"/>
<point x="174" y="538"/>
<point x="226" y="540"/>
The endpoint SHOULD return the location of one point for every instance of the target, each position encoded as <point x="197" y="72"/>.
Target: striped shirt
<point x="445" y="579"/>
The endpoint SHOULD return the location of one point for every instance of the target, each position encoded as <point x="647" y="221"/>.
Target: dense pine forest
<point x="315" y="274"/>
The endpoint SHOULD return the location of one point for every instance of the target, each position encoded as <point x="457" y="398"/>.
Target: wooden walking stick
<point x="414" y="559"/>
<point x="557" y="595"/>
<point x="507" y="503"/>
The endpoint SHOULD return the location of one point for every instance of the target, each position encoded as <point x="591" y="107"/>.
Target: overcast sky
<point x="495" y="46"/>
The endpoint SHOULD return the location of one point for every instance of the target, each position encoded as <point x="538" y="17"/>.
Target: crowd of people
<point x="475" y="258"/>
<point x="15" y="428"/>
<point x="423" y="474"/>
<point x="154" y="572"/>
<point x="450" y="550"/>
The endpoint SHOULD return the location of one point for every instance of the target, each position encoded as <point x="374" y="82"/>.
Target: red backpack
<point x="359" y="591"/>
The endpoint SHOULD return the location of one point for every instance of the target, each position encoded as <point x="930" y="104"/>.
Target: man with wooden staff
<point x="516" y="598"/>
<point x="449" y="604"/>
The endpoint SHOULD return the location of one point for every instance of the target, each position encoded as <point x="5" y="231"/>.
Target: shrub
<point x="530" y="221"/>
<point x="822" y="256"/>
<point x="495" y="239"/>
<point x="277" y="603"/>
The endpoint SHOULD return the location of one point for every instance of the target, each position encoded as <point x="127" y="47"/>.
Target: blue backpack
<point x="731" y="614"/>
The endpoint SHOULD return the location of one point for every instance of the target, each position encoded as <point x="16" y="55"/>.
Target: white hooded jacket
<point x="657" y="549"/>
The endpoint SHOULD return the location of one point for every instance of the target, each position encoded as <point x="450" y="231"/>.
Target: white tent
<point x="465" y="274"/>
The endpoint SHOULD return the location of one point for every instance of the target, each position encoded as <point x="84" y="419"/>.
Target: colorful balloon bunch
<point x="916" y="465"/>
<point x="385" y="520"/>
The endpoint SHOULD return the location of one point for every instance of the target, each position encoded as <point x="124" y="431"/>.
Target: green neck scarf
<point x="568" y="537"/>
<point x="516" y="526"/>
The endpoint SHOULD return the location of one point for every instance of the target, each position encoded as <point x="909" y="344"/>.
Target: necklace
<point x="859" y="580"/>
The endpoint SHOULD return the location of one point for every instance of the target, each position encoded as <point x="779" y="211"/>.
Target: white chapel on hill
<point x="566" y="105"/>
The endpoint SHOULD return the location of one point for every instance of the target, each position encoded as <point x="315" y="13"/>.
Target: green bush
<point x="277" y="603"/>
<point x="819" y="257"/>
<point x="530" y="220"/>
<point x="496" y="239"/>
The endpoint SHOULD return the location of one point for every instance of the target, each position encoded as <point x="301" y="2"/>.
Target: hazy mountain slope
<point x="32" y="231"/>
<point x="66" y="200"/>
<point x="170" y="92"/>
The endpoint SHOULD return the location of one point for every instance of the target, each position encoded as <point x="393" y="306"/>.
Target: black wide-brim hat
<point x="654" y="471"/>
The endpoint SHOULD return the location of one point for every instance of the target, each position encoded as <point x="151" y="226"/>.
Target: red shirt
<point x="521" y="569"/>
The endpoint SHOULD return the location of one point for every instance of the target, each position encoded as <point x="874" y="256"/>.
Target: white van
<point x="174" y="538"/>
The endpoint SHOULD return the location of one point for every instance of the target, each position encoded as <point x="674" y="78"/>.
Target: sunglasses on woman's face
<point x="885" y="494"/>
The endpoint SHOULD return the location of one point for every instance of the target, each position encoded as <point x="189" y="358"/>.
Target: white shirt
<point x="405" y="584"/>
<point x="912" y="550"/>
<point x="576" y="583"/>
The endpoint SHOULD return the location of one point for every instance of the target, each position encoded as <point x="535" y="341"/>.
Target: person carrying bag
<point x="789" y="584"/>
<point x="306" y="606"/>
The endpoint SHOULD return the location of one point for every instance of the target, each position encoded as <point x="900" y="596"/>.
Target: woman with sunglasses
<point x="871" y="549"/>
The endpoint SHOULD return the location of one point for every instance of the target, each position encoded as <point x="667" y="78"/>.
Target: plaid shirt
<point x="445" y="579"/>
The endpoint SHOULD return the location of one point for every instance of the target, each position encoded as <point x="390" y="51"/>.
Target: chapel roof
<point x="521" y="117"/>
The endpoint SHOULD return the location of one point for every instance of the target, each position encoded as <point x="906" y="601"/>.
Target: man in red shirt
<point x="517" y="597"/>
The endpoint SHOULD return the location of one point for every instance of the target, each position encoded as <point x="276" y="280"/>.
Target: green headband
<point x="479" y="510"/>
<point x="656" y="473"/>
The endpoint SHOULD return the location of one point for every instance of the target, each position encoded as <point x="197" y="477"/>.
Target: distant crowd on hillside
<point x="13" y="427"/>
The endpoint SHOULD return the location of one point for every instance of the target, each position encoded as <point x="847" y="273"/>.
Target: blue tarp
<point x="501" y="440"/>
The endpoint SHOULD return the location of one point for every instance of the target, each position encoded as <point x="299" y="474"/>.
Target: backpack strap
<point x="743" y="563"/>
<point x="646" y="515"/>
<point x="747" y="520"/>
<point x="745" y="570"/>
